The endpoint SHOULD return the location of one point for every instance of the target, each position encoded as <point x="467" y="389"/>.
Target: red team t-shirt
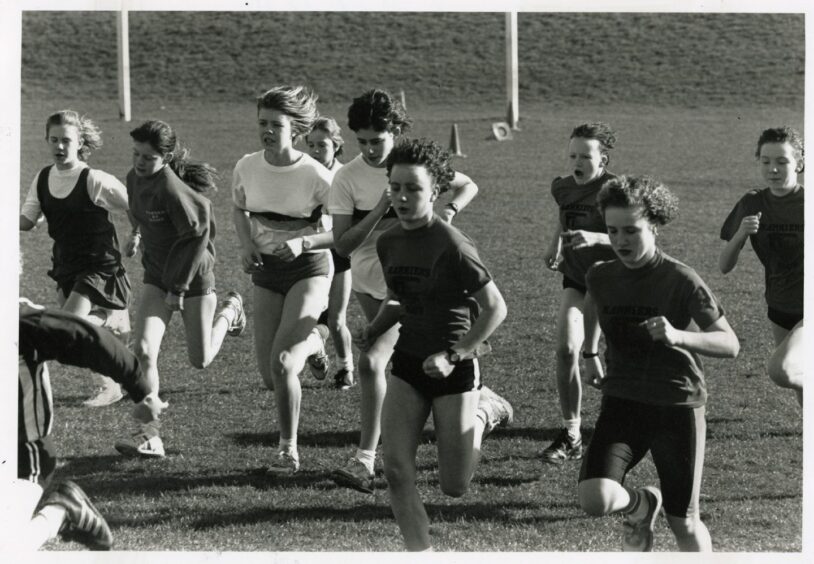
<point x="433" y="271"/>
<point x="639" y="368"/>
<point x="578" y="211"/>
<point x="778" y="243"/>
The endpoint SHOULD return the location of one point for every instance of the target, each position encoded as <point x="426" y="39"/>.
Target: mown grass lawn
<point x="209" y="493"/>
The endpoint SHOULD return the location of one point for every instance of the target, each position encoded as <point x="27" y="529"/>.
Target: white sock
<point x="228" y="313"/>
<point x="366" y="457"/>
<point x="572" y="426"/>
<point x="346" y="363"/>
<point x="288" y="445"/>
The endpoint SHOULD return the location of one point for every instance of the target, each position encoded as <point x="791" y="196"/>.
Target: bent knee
<point x="592" y="499"/>
<point x="784" y="372"/>
<point x="372" y="365"/>
<point x="283" y="363"/>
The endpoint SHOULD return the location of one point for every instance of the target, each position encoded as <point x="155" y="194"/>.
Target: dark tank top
<point x="82" y="232"/>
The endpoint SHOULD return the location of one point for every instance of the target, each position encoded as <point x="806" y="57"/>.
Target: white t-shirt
<point x="359" y="185"/>
<point x="327" y="222"/>
<point x="104" y="190"/>
<point x="294" y="190"/>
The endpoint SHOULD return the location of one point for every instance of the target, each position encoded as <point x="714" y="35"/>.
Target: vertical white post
<point x="513" y="114"/>
<point x="123" y="50"/>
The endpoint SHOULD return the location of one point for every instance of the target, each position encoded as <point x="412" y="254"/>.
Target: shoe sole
<point x="127" y="450"/>
<point x="560" y="460"/>
<point x="93" y="403"/>
<point x="345" y="480"/>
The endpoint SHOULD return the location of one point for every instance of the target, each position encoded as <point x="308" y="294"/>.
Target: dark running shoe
<point x="638" y="535"/>
<point x="562" y="449"/>
<point x="343" y="379"/>
<point x="84" y="522"/>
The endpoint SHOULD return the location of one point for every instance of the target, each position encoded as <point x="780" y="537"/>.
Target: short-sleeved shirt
<point x="104" y="190"/>
<point x="293" y="193"/>
<point x="356" y="189"/>
<point x="433" y="271"/>
<point x="639" y="368"/>
<point x="778" y="243"/>
<point x="177" y="228"/>
<point x="578" y="211"/>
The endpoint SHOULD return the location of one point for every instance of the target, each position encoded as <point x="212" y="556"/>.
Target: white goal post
<point x="123" y="52"/>
<point x="513" y="98"/>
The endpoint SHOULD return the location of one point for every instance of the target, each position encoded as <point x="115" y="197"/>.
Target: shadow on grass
<point x="754" y="434"/>
<point x="472" y="512"/>
<point x="318" y="439"/>
<point x="535" y="433"/>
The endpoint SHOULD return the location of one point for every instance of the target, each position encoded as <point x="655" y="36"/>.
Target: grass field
<point x="693" y="126"/>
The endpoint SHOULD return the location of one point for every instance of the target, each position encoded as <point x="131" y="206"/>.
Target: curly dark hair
<point x="427" y="153"/>
<point x="782" y="135"/>
<point x="378" y="110"/>
<point x="201" y="177"/>
<point x="660" y="205"/>
<point x="598" y="130"/>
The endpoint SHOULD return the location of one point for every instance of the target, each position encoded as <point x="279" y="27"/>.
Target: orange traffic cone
<point x="455" y="142"/>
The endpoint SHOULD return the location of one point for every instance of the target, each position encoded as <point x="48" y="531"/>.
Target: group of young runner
<point x="312" y="231"/>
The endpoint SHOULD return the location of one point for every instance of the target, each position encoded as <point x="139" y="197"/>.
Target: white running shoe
<point x="142" y="443"/>
<point x="319" y="363"/>
<point x="354" y="474"/>
<point x="107" y="394"/>
<point x="498" y="411"/>
<point x="238" y="324"/>
<point x="285" y="463"/>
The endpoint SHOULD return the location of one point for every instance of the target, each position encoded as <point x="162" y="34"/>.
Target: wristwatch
<point x="306" y="244"/>
<point x="454" y="207"/>
<point x="453" y="356"/>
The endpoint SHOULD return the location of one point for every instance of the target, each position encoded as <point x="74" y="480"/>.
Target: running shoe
<point x="498" y="411"/>
<point x="343" y="379"/>
<point x="286" y="462"/>
<point x="638" y="535"/>
<point x="83" y="523"/>
<point x="563" y="448"/>
<point x="354" y="474"/>
<point x="107" y="394"/>
<point x="144" y="443"/>
<point x="319" y="363"/>
<point x="238" y="324"/>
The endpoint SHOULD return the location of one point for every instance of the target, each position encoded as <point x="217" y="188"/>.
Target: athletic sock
<point x="229" y="313"/>
<point x="366" y="457"/>
<point x="637" y="507"/>
<point x="346" y="363"/>
<point x="572" y="427"/>
<point x="288" y="445"/>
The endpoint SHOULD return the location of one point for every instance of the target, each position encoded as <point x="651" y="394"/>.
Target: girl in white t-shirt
<point x="279" y="194"/>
